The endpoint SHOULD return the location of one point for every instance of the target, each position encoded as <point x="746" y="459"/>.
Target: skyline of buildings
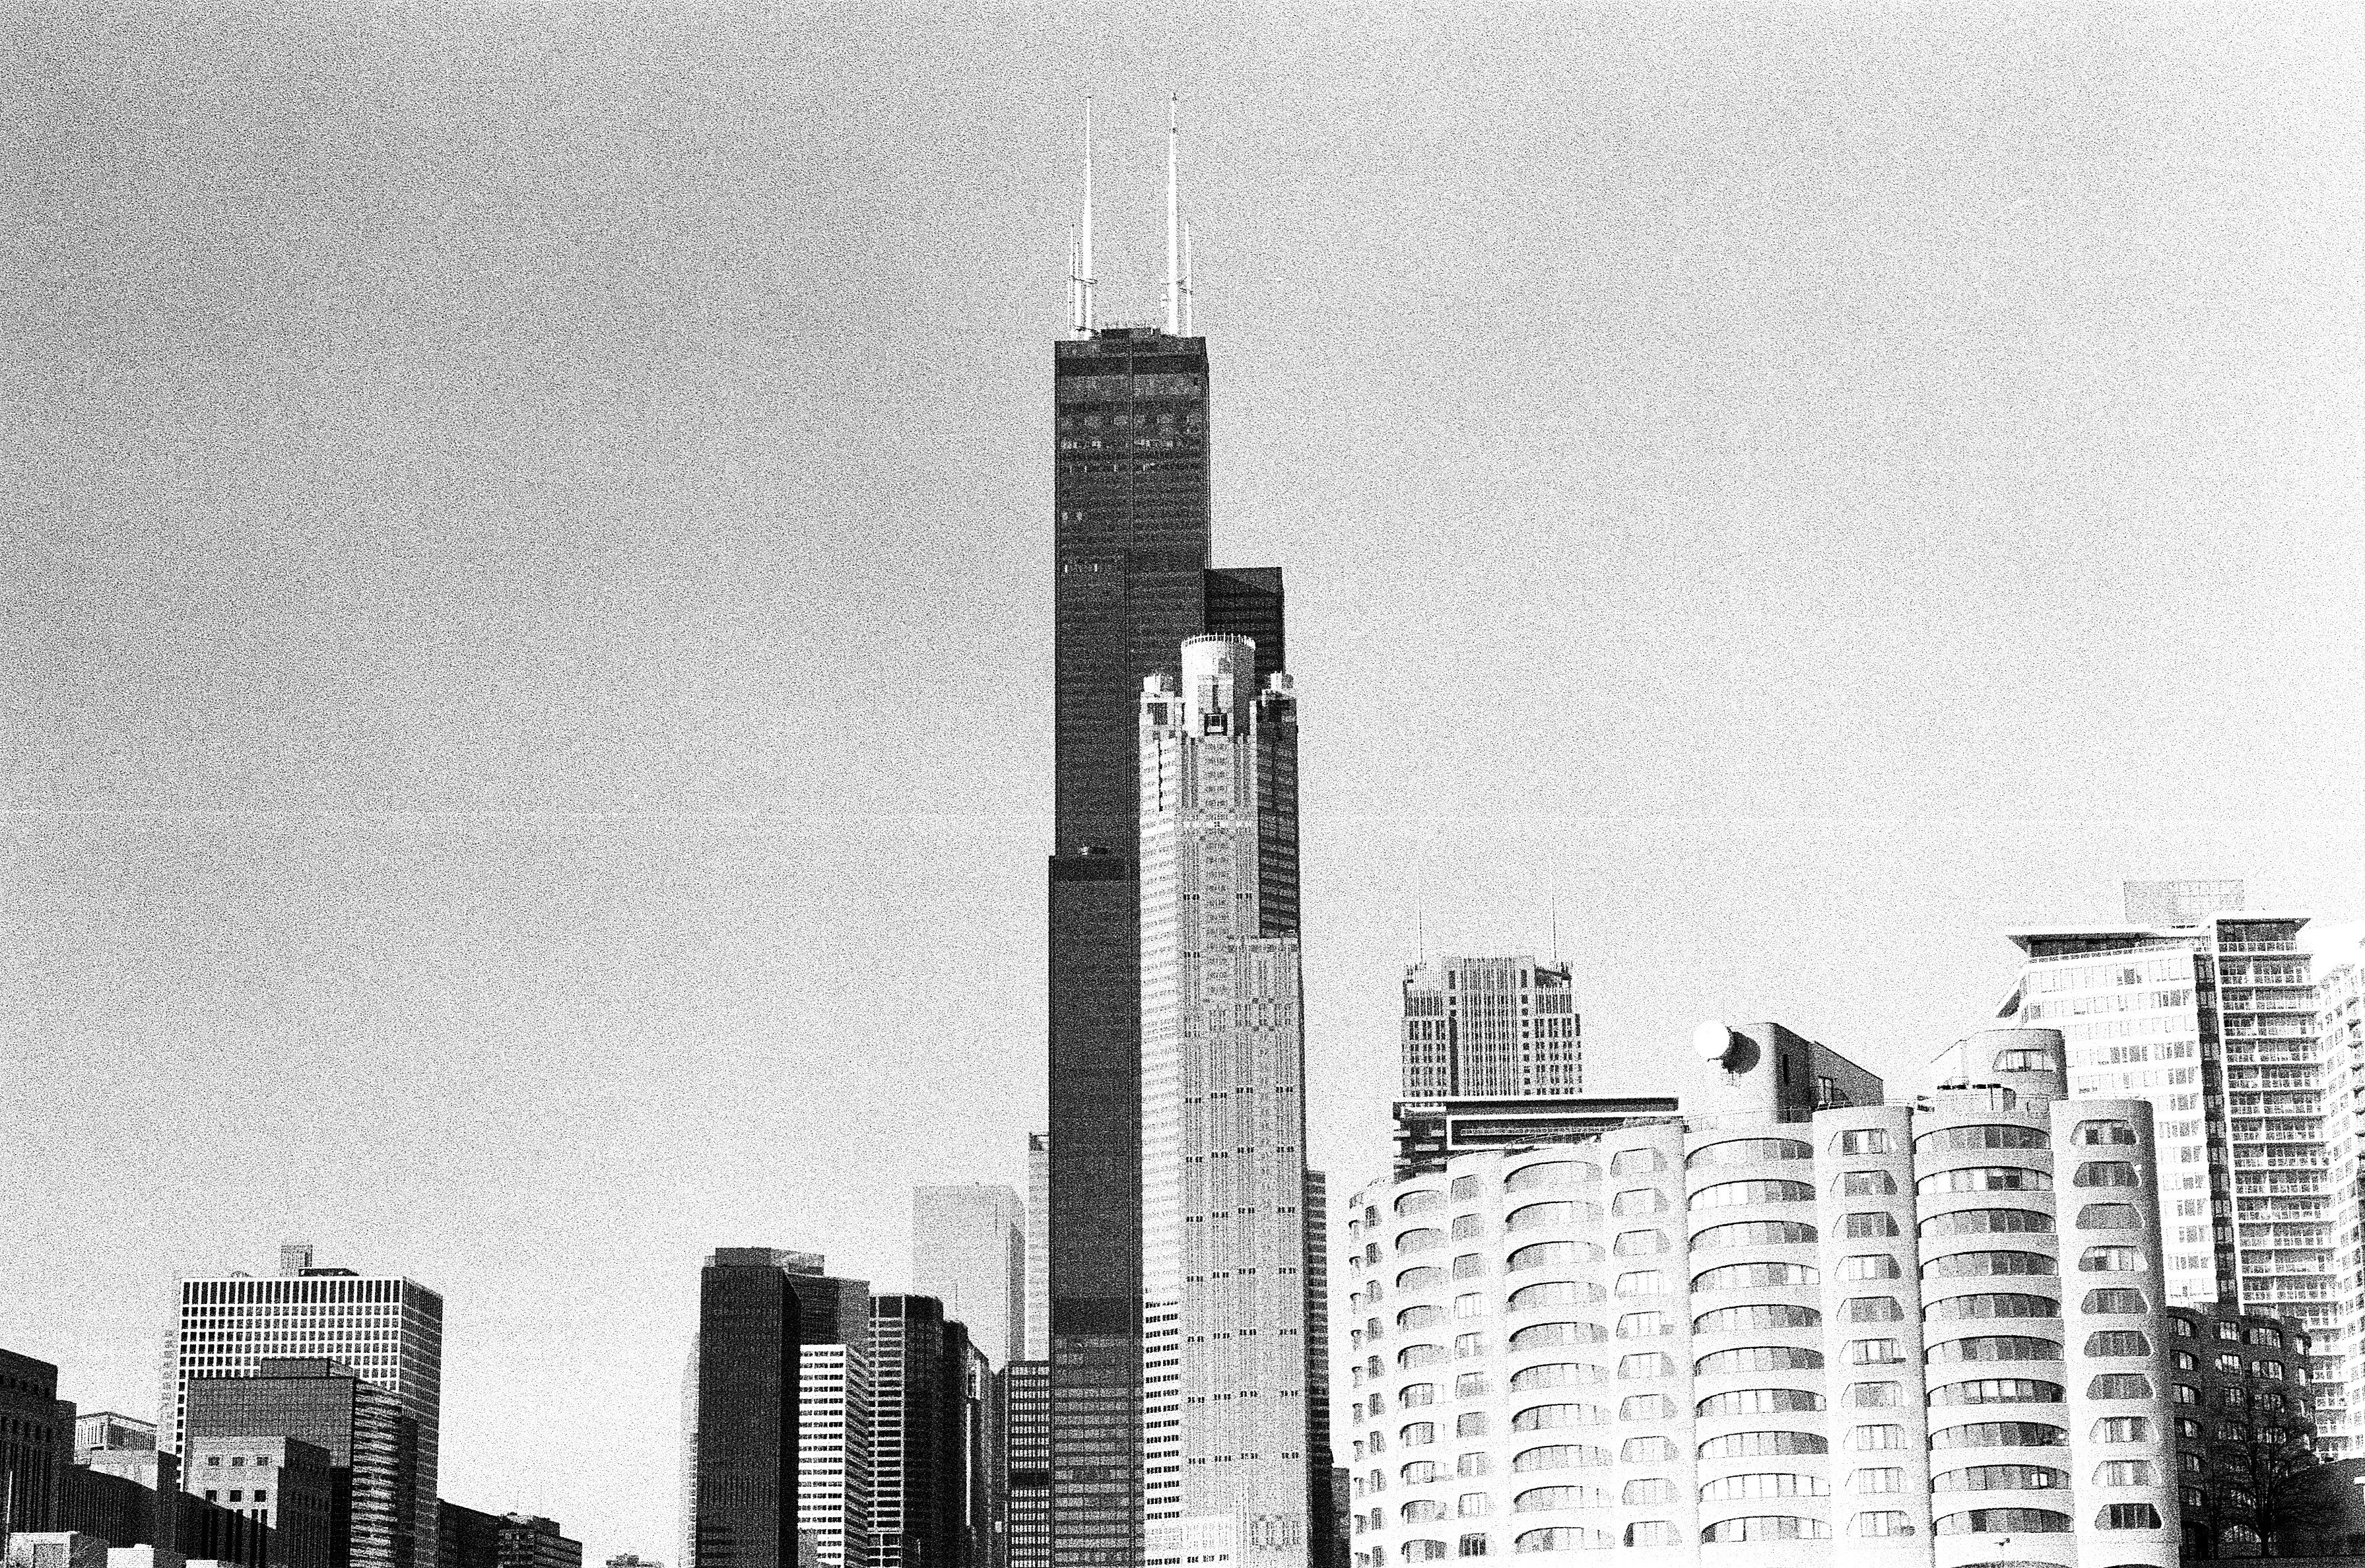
<point x="1770" y="1314"/>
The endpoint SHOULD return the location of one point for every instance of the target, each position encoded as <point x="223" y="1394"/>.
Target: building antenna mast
<point x="1085" y="280"/>
<point x="1173" y="239"/>
<point x="1188" y="330"/>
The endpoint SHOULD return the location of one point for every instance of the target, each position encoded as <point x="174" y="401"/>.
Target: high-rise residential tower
<point x="1231" y="1446"/>
<point x="2211" y="1017"/>
<point x="969" y="1251"/>
<point x="1131" y="542"/>
<point x="2340" y="1038"/>
<point x="749" y="1330"/>
<point x="388" y="1329"/>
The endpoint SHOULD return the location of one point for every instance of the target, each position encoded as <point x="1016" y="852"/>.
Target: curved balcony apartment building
<point x="1927" y="1335"/>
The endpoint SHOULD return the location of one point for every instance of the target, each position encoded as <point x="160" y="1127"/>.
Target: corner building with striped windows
<point x="1910" y="1336"/>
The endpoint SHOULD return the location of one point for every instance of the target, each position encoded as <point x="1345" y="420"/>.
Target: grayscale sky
<point x="526" y="551"/>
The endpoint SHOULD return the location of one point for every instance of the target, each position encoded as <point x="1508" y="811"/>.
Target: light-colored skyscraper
<point x="1038" y="1247"/>
<point x="1230" y="1435"/>
<point x="389" y="1330"/>
<point x="969" y="1251"/>
<point x="2340" y="1026"/>
<point x="2212" y="1019"/>
<point x="1490" y="1028"/>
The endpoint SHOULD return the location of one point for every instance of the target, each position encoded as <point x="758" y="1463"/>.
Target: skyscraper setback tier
<point x="1232" y="1445"/>
<point x="388" y="1330"/>
<point x="1131" y="542"/>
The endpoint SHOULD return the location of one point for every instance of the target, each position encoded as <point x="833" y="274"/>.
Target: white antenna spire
<point x="1075" y="285"/>
<point x="1187" y="290"/>
<point x="1084" y="279"/>
<point x="1174" y="243"/>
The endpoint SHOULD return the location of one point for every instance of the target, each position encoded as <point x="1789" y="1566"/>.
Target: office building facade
<point x="1026" y="1495"/>
<point x="1927" y="1335"/>
<point x="467" y="1538"/>
<point x="2211" y="1021"/>
<point x="969" y="1251"/>
<point x="370" y="1439"/>
<point x="1037" y="1335"/>
<point x="1229" y="1436"/>
<point x="749" y="1344"/>
<point x="528" y="1540"/>
<point x="920" y="1438"/>
<point x="1131" y="546"/>
<point x="2340" y="1047"/>
<point x="388" y="1329"/>
<point x="122" y="1486"/>
<point x="37" y="1444"/>
<point x="833" y="1421"/>
<point x="283" y="1483"/>
<point x="1490" y="1028"/>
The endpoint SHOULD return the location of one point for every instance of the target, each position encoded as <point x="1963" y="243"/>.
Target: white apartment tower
<point x="2340" y="1035"/>
<point x="1489" y="1028"/>
<point x="2207" y="1010"/>
<point x="388" y="1329"/>
<point x="1232" y="1389"/>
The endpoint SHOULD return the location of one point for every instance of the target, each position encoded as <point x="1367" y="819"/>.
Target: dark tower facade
<point x="1131" y="541"/>
<point x="748" y="1328"/>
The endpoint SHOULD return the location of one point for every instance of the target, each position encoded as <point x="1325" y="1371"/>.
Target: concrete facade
<point x="283" y="1482"/>
<point x="1924" y="1336"/>
<point x="1489" y="1027"/>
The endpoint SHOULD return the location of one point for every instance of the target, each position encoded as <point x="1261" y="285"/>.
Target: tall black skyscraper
<point x="746" y="1481"/>
<point x="1132" y="536"/>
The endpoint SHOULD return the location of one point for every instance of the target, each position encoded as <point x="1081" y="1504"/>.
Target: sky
<point x="525" y="634"/>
